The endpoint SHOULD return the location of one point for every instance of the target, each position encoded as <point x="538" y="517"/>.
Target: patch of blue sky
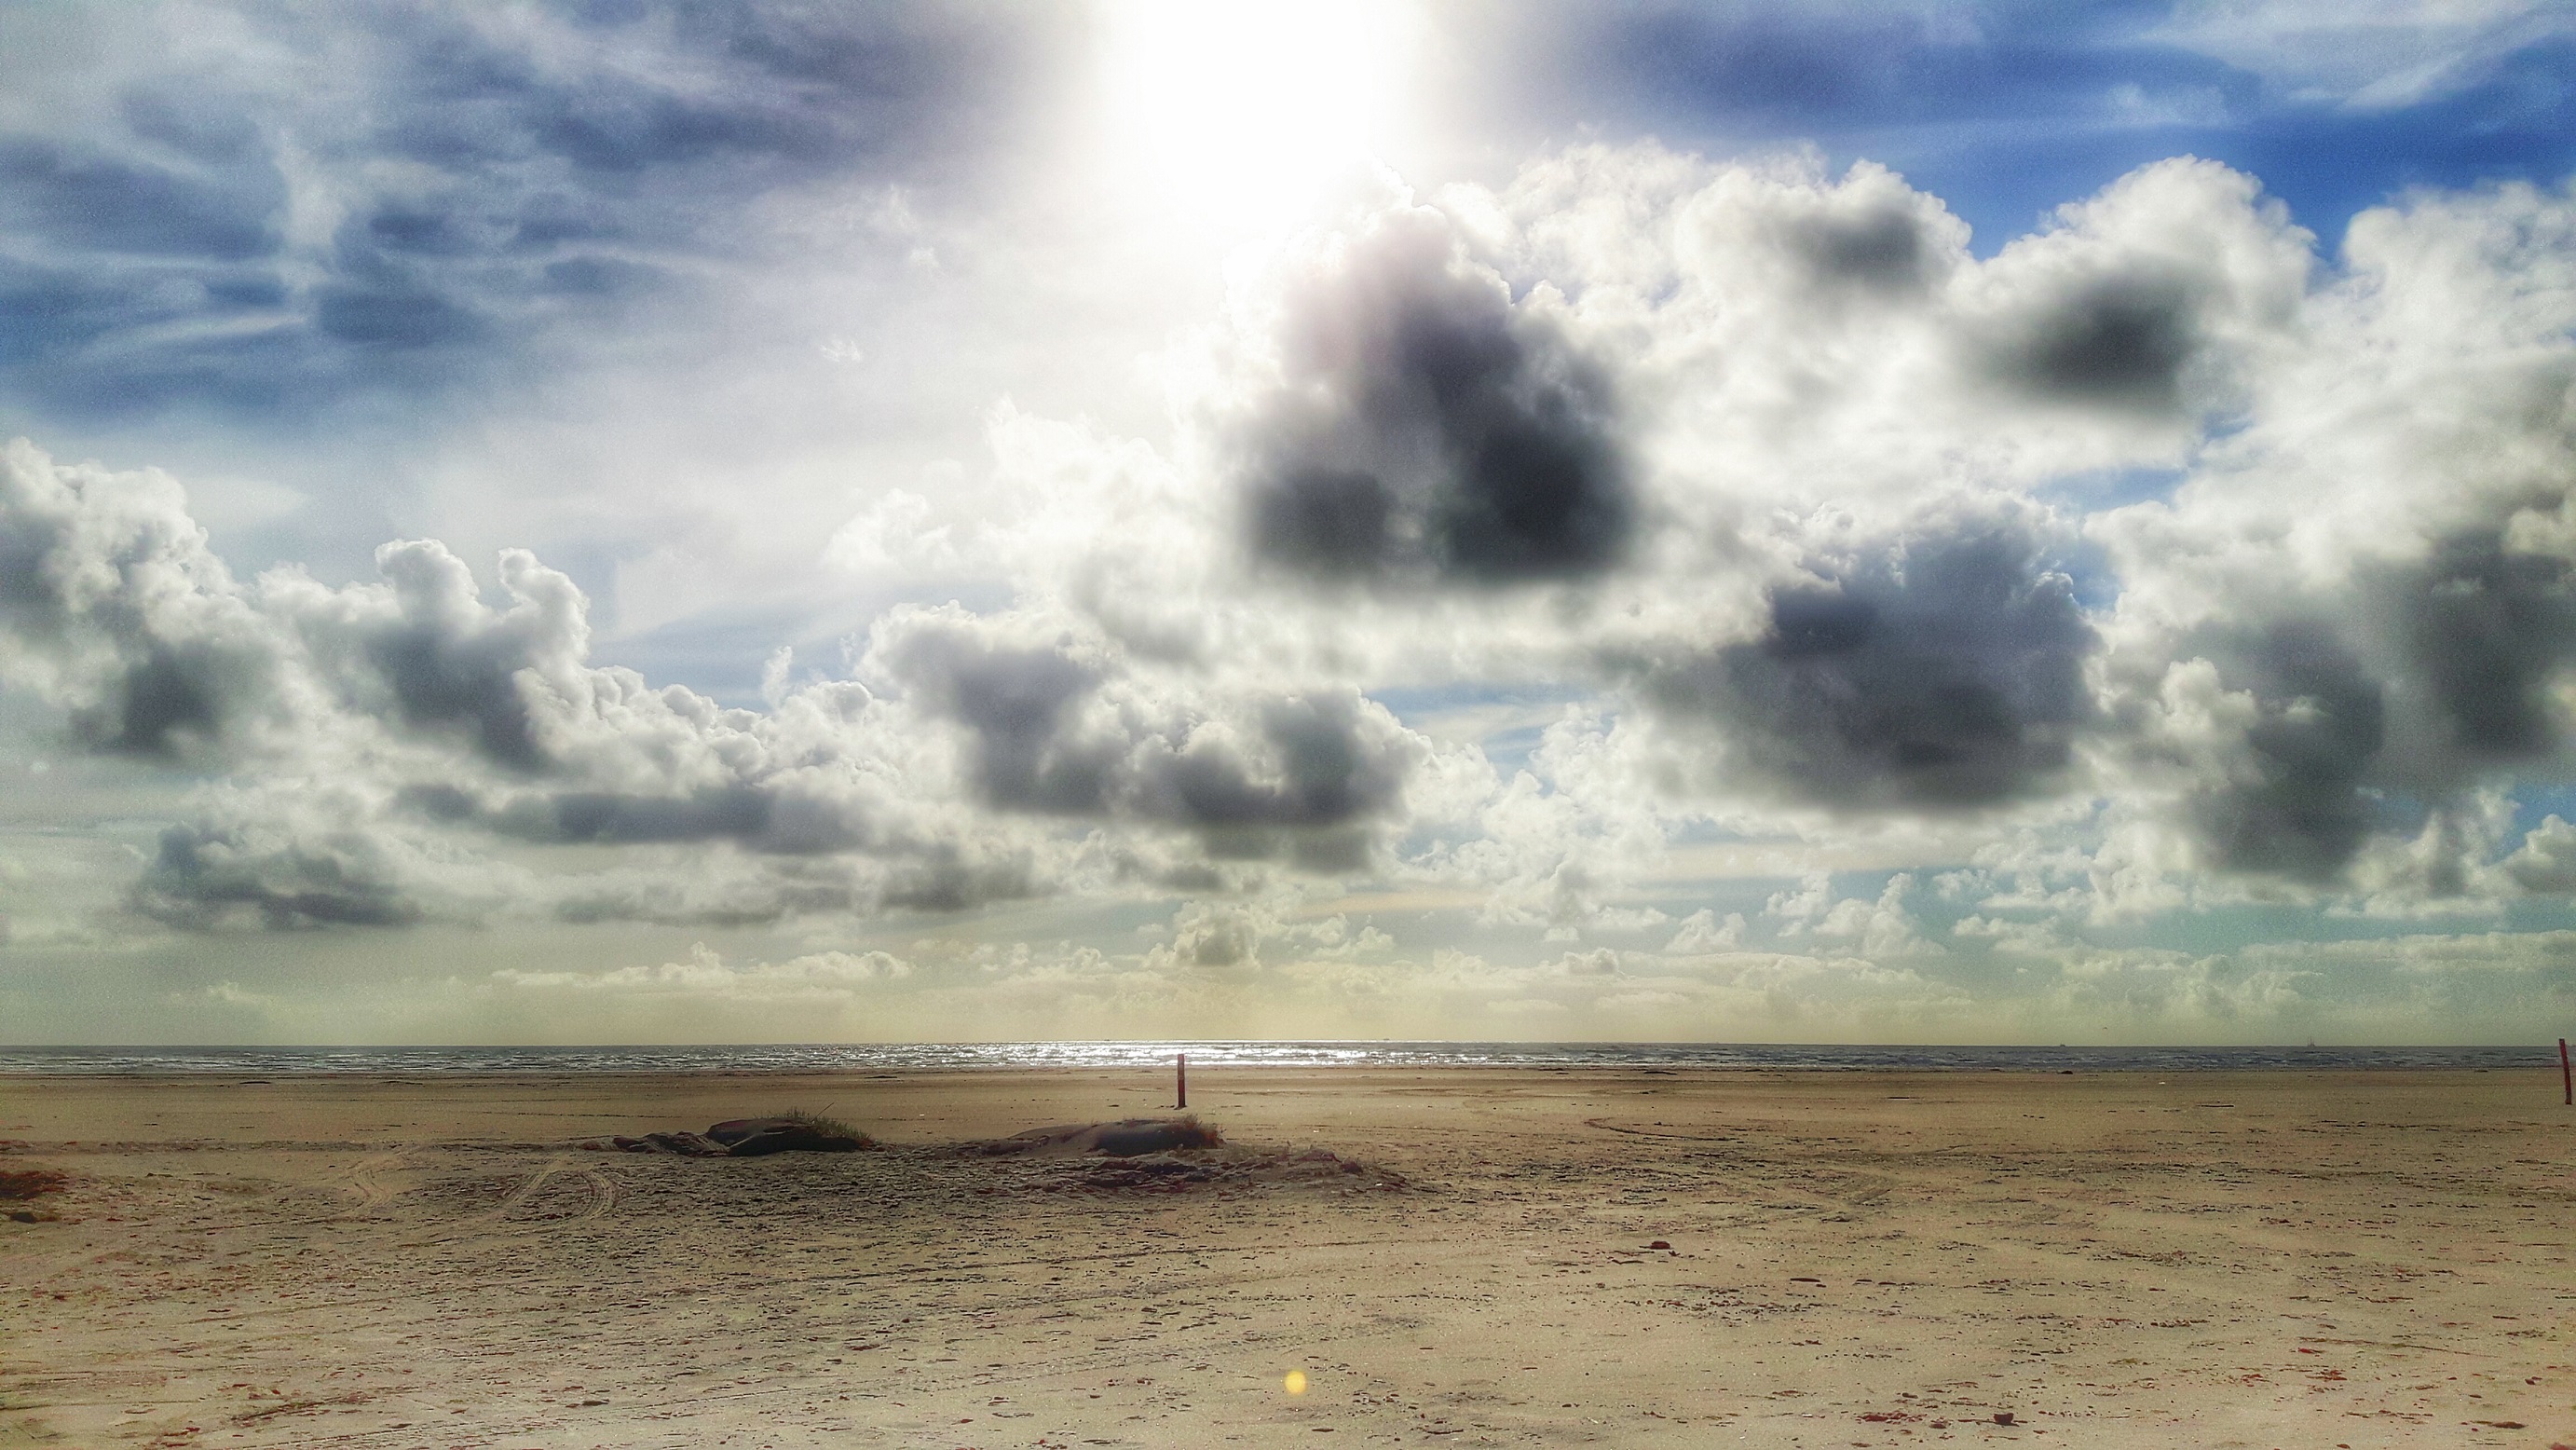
<point x="147" y="267"/>
<point x="2540" y="913"/>
<point x="2225" y="929"/>
<point x="2007" y="111"/>
<point x="1741" y="894"/>
<point x="719" y="653"/>
<point x="1506" y="721"/>
<point x="722" y="653"/>
<point x="2110" y="488"/>
<point x="2087" y="565"/>
<point x="1707" y="831"/>
<point x="2538" y="801"/>
<point x="2329" y="162"/>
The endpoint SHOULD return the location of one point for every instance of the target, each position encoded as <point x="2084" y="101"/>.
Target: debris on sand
<point x="1133" y="1155"/>
<point x="23" y="1184"/>
<point x="790" y="1133"/>
<point x="1126" y="1138"/>
<point x="1229" y="1166"/>
<point x="1167" y="1155"/>
<point x="684" y="1144"/>
<point x="745" y="1138"/>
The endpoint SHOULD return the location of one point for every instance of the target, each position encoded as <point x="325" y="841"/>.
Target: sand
<point x="2278" y="1259"/>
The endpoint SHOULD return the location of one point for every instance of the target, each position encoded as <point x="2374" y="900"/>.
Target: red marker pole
<point x="2566" y="1079"/>
<point x="1181" y="1075"/>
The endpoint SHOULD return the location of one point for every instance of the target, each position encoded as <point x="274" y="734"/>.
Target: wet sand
<point x="2270" y="1259"/>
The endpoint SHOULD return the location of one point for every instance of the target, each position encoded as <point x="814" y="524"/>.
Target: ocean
<point x="986" y="1056"/>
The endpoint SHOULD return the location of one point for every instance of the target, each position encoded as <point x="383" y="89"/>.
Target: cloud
<point x="1944" y="669"/>
<point x="202" y="873"/>
<point x="1418" y="421"/>
<point x="2365" y="57"/>
<point x="2304" y="723"/>
<point x="395" y="732"/>
<point x="2485" y="630"/>
<point x="1702" y="934"/>
<point x="1895" y="547"/>
<point x="2148" y="299"/>
<point x="819" y="976"/>
<point x="256" y="212"/>
<point x="2436" y="672"/>
<point x="2546" y="861"/>
<point x="1057" y="729"/>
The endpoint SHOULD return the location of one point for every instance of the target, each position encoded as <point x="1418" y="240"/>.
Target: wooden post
<point x="2566" y="1079"/>
<point x="1181" y="1074"/>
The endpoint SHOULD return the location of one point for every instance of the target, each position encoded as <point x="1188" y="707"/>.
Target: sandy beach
<point x="2274" y="1259"/>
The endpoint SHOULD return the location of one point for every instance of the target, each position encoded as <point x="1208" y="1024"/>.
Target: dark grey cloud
<point x="171" y="703"/>
<point x="1430" y="425"/>
<point x="1945" y="671"/>
<point x="2375" y="712"/>
<point x="450" y="664"/>
<point x="2302" y="806"/>
<point x="2486" y="632"/>
<point x="1329" y="767"/>
<point x="205" y="876"/>
<point x="2113" y="341"/>
<point x="1301" y="775"/>
<point x="591" y="817"/>
<point x="1031" y="750"/>
<point x="949" y="880"/>
<point x="1883" y="248"/>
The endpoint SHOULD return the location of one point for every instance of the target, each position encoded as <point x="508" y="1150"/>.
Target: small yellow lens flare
<point x="1295" y="1383"/>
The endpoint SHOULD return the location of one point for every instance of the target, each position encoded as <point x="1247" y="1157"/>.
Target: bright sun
<point x="1237" y="111"/>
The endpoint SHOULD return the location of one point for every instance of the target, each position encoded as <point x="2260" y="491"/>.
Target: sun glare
<point x="1236" y="112"/>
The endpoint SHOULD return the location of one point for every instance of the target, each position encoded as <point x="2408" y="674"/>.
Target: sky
<point x="620" y="521"/>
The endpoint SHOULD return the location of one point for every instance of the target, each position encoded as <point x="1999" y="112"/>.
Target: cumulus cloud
<point x="1702" y="932"/>
<point x="388" y="727"/>
<point x="2150" y="299"/>
<point x="1418" y="420"/>
<point x="1941" y="670"/>
<point x="1058" y="729"/>
<point x="2546" y="860"/>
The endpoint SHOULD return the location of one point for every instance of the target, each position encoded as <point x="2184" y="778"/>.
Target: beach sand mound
<point x="681" y="1144"/>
